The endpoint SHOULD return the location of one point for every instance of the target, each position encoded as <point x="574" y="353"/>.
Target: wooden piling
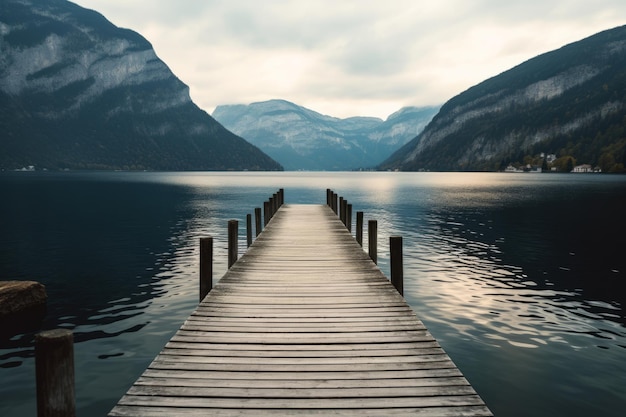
<point x="233" y="242"/>
<point x="359" y="227"/>
<point x="206" y="266"/>
<point x="54" y="363"/>
<point x="397" y="272"/>
<point x="340" y="208"/>
<point x="266" y="213"/>
<point x="249" y="229"/>
<point x="258" y="220"/>
<point x="349" y="217"/>
<point x="372" y="235"/>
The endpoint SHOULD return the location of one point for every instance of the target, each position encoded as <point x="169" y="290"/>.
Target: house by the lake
<point x="586" y="168"/>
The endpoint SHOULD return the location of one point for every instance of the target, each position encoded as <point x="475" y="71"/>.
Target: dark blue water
<point x="519" y="276"/>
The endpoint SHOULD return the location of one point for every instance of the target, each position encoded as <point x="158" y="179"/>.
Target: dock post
<point x="397" y="272"/>
<point x="233" y="241"/>
<point x="270" y="206"/>
<point x="335" y="208"/>
<point x="249" y="229"/>
<point x="282" y="196"/>
<point x="328" y="197"/>
<point x="257" y="221"/>
<point x="349" y="217"/>
<point x="266" y="213"/>
<point x="372" y="235"/>
<point x="54" y="367"/>
<point x="359" y="227"/>
<point x="340" y="208"/>
<point x="206" y="266"/>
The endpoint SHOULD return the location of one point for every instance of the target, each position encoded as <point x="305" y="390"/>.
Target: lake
<point x="519" y="276"/>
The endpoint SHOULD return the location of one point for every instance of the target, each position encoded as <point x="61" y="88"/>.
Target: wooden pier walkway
<point x="303" y="324"/>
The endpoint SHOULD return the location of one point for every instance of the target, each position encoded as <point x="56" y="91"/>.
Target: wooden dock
<point x="303" y="324"/>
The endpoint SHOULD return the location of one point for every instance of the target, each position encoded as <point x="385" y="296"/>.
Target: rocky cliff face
<point x="565" y="102"/>
<point x="78" y="92"/>
<point x="300" y="138"/>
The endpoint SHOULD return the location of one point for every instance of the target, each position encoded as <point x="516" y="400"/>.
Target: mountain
<point x="76" y="92"/>
<point x="570" y="102"/>
<point x="302" y="139"/>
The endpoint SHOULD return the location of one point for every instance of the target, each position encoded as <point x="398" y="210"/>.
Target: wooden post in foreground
<point x="397" y="272"/>
<point x="206" y="266"/>
<point x="372" y="235"/>
<point x="359" y="227"/>
<point x="54" y="363"/>
<point x="233" y="241"/>
<point x="257" y="221"/>
<point x="249" y="229"/>
<point x="349" y="217"/>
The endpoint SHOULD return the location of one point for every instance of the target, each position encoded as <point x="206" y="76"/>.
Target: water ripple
<point x="485" y="298"/>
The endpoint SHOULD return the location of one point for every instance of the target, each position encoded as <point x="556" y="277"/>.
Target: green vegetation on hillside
<point x="582" y="114"/>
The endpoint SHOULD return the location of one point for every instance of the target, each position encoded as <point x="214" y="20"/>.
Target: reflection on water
<point x="516" y="275"/>
<point x="471" y="275"/>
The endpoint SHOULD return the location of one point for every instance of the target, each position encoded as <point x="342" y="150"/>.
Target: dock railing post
<point x="206" y="266"/>
<point x="372" y="236"/>
<point x="335" y="197"/>
<point x="266" y="213"/>
<point x="281" y="192"/>
<point x="359" y="227"/>
<point x="349" y="217"/>
<point x="257" y="221"/>
<point x="233" y="241"/>
<point x="54" y="367"/>
<point x="397" y="272"/>
<point x="340" y="213"/>
<point x="249" y="229"/>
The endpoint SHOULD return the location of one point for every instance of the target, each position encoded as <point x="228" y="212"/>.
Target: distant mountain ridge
<point x="570" y="102"/>
<point x="76" y="92"/>
<point x="302" y="139"/>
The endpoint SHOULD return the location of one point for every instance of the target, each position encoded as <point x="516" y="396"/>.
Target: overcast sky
<point x="351" y="57"/>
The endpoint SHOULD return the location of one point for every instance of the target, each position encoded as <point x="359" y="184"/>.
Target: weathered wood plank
<point x="303" y="324"/>
<point x="294" y="375"/>
<point x="301" y="393"/>
<point x="256" y="366"/>
<point x="300" y="403"/>
<point x="317" y="350"/>
<point x="302" y="384"/>
<point x="466" y="411"/>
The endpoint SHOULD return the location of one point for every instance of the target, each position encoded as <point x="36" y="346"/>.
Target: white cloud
<point x="351" y="57"/>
